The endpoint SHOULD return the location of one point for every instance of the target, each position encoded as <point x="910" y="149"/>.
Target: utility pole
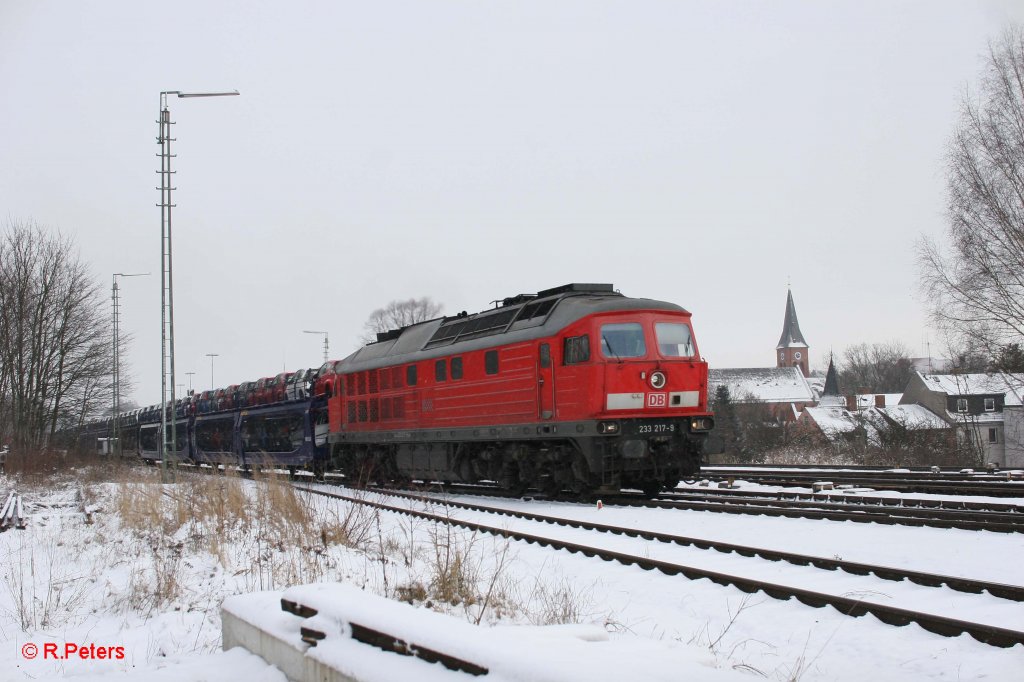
<point x="167" y="396"/>
<point x="326" y="345"/>
<point x="116" y="383"/>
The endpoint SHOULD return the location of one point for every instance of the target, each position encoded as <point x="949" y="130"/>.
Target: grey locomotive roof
<point x="567" y="308"/>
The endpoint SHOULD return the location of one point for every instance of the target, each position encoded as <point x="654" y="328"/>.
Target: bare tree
<point x="977" y="289"/>
<point x="398" y="314"/>
<point x="876" y="368"/>
<point x="55" y="345"/>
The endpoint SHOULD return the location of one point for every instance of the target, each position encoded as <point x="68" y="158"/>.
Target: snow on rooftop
<point x="914" y="417"/>
<point x="770" y="384"/>
<point x="999" y="383"/>
<point x="832" y="421"/>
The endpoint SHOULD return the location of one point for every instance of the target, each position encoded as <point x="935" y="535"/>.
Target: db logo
<point x="657" y="399"/>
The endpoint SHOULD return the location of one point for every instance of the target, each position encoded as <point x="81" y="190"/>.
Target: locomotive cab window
<point x="674" y="340"/>
<point x="410" y="375"/>
<point x="623" y="340"/>
<point x="576" y="350"/>
<point x="441" y="370"/>
<point x="457" y="368"/>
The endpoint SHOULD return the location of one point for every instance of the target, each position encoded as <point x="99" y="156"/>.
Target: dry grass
<point x="264" y="532"/>
<point x="221" y="530"/>
<point x="558" y="602"/>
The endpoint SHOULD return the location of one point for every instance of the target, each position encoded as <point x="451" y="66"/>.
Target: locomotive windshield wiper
<point x="610" y="349"/>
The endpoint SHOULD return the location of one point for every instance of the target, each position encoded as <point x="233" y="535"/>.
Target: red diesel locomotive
<point x="575" y="388"/>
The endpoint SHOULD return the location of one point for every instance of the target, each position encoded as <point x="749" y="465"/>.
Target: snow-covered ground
<point x="148" y="575"/>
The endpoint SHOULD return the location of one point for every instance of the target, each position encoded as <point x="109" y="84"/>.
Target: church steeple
<point x="830" y="394"/>
<point x="792" y="348"/>
<point x="831" y="381"/>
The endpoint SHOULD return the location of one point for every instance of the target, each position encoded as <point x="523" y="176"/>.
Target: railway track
<point x="996" y="517"/>
<point x="963" y="515"/>
<point x="857" y="498"/>
<point x="946" y="483"/>
<point x="943" y="625"/>
<point x="835" y="508"/>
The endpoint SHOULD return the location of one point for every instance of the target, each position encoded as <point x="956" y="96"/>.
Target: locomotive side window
<point x="441" y="370"/>
<point x="545" y="355"/>
<point x="674" y="340"/>
<point x="491" y="362"/>
<point x="410" y="375"/>
<point x="576" y="350"/>
<point x="457" y="368"/>
<point x="623" y="340"/>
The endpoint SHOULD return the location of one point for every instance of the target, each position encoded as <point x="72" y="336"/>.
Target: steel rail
<point x="855" y="499"/>
<point x="794" y="510"/>
<point x="764" y="505"/>
<point x="1002" y="590"/>
<point x="942" y="625"/>
<point x="990" y="486"/>
<point x="998" y="521"/>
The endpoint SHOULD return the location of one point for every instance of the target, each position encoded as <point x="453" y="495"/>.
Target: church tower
<point x="792" y="349"/>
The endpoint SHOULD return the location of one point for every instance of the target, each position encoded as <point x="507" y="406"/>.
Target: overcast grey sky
<point x="703" y="153"/>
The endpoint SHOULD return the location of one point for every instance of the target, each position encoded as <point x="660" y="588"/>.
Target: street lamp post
<point x="306" y="331"/>
<point x="167" y="396"/>
<point x="189" y="375"/>
<point x="116" y="383"/>
<point x="212" y="356"/>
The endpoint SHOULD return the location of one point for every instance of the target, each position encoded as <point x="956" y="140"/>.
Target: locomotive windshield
<point x="674" y="340"/>
<point x="623" y="340"/>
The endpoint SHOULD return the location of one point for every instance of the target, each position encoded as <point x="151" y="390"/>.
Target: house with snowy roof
<point x="986" y="409"/>
<point x="784" y="390"/>
<point x="884" y="424"/>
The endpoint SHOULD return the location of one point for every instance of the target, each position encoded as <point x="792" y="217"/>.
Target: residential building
<point x="986" y="410"/>
<point x="784" y="390"/>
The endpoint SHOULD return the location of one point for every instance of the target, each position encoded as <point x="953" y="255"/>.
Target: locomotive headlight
<point x="701" y="424"/>
<point x="608" y="427"/>
<point x="658" y="380"/>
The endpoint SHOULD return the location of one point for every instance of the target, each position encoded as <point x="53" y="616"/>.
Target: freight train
<point x="576" y="388"/>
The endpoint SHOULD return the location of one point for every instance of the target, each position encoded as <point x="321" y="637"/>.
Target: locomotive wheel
<point x="551" y="487"/>
<point x="651" y="488"/>
<point x="365" y="474"/>
<point x="518" y="489"/>
<point x="512" y="481"/>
